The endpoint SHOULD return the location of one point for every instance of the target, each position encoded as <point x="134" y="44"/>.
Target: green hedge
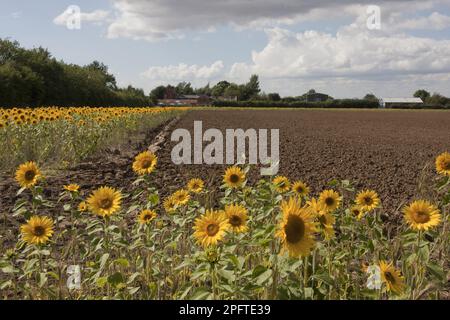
<point x="342" y="103"/>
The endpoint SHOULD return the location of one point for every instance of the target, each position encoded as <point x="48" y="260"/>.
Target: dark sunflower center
<point x="39" y="231"/>
<point x="30" y="174"/>
<point x="235" y="221"/>
<point x="389" y="277"/>
<point x="329" y="201"/>
<point x="212" y="229"/>
<point x="356" y="212"/>
<point x="368" y="200"/>
<point x="294" y="229"/>
<point x="148" y="217"/>
<point x="146" y="163"/>
<point x="300" y="189"/>
<point x="447" y="165"/>
<point x="106" y="203"/>
<point x="421" y="217"/>
<point x="234" y="178"/>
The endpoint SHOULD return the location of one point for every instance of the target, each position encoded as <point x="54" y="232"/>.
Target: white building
<point x="386" y="102"/>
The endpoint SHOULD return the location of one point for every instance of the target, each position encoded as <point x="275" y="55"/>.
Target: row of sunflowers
<point x="69" y="135"/>
<point x="272" y="240"/>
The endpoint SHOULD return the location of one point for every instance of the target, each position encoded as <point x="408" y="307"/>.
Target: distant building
<point x="170" y="99"/>
<point x="389" y="102"/>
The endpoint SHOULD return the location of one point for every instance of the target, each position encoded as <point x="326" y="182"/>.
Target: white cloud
<point x="184" y="72"/>
<point x="95" y="16"/>
<point x="435" y="21"/>
<point x="156" y="19"/>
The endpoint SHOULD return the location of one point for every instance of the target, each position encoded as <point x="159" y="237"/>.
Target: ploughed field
<point x="391" y="152"/>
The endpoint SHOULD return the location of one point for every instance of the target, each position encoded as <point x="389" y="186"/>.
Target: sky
<point x="343" y="48"/>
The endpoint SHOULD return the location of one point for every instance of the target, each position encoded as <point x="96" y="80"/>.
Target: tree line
<point x="32" y="77"/>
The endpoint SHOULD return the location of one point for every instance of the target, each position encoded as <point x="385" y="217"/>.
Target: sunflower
<point x="37" y="230"/>
<point x="422" y="215"/>
<point x="330" y="199"/>
<point x="146" y="216"/>
<point x="234" y="177"/>
<point x="211" y="227"/>
<point x="367" y="200"/>
<point x="82" y="207"/>
<point x="72" y="187"/>
<point x="357" y="212"/>
<point x="104" y="201"/>
<point x="300" y="188"/>
<point x="282" y="184"/>
<point x="195" y="185"/>
<point x="28" y="174"/>
<point x="237" y="218"/>
<point x="392" y="277"/>
<point x="297" y="228"/>
<point x="145" y="163"/>
<point x="325" y="219"/>
<point x="443" y="164"/>
<point x="169" y="205"/>
<point x="181" y="197"/>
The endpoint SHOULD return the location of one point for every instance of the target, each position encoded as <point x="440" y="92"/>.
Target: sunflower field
<point x="272" y="240"/>
<point x="63" y="136"/>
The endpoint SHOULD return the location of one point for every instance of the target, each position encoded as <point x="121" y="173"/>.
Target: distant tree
<point x="422" y="94"/>
<point x="184" y="88"/>
<point x="274" y="97"/>
<point x="232" y="91"/>
<point x="110" y="79"/>
<point x="206" y="90"/>
<point x="438" y="99"/>
<point x="311" y="91"/>
<point x="370" y="97"/>
<point x="158" y="93"/>
<point x="251" y="88"/>
<point x="219" y="89"/>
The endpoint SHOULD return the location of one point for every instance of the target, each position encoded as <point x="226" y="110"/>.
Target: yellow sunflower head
<point x="28" y="174"/>
<point x="181" y="197"/>
<point x="210" y="228"/>
<point x="300" y="188"/>
<point x="296" y="229"/>
<point x="392" y="277"/>
<point x="237" y="218"/>
<point x="367" y="200"/>
<point x="72" y="187"/>
<point x="443" y="164"/>
<point x="357" y="212"/>
<point x="146" y="216"/>
<point x="169" y="205"/>
<point x="105" y="201"/>
<point x="234" y="177"/>
<point x="282" y="184"/>
<point x="422" y="215"/>
<point x="145" y="163"/>
<point x="37" y="230"/>
<point x="195" y="185"/>
<point x="330" y="199"/>
<point x="82" y="207"/>
<point x="326" y="223"/>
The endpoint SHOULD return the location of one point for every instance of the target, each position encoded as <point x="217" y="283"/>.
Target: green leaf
<point x="436" y="270"/>
<point x="263" y="277"/>
<point x="122" y="262"/>
<point x="226" y="274"/>
<point x="116" y="278"/>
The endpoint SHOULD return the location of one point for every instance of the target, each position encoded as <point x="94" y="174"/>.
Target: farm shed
<point x="407" y="102"/>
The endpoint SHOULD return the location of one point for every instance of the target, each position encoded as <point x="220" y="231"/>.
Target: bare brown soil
<point x="382" y="150"/>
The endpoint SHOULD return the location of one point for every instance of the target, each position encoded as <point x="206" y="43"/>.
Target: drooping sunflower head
<point x="28" y="174"/>
<point x="367" y="200"/>
<point x="181" y="197"/>
<point x="37" y="230"/>
<point x="281" y="184"/>
<point x="300" y="188"/>
<point x="145" y="163"/>
<point x="195" y="185"/>
<point x="296" y="229"/>
<point x="443" y="164"/>
<point x="422" y="215"/>
<point x="326" y="223"/>
<point x="105" y="201"/>
<point x="237" y="217"/>
<point x="72" y="187"/>
<point x="146" y="216"/>
<point x="330" y="199"/>
<point x="82" y="207"/>
<point x="234" y="177"/>
<point x="392" y="277"/>
<point x="210" y="228"/>
<point x="169" y="205"/>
